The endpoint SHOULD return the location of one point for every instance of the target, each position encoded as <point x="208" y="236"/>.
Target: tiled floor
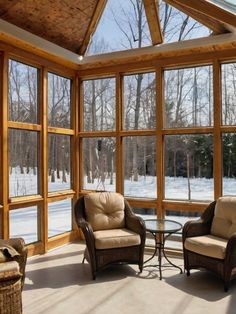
<point x="58" y="283"/>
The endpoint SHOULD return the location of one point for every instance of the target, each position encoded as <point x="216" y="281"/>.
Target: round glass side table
<point x="161" y="229"/>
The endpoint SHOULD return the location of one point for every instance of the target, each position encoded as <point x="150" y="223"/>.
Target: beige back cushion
<point x="105" y="210"/>
<point x="224" y="221"/>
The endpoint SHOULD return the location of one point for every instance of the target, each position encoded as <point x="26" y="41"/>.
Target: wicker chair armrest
<point x="195" y="228"/>
<point x="17" y="243"/>
<point x="86" y="229"/>
<point x="230" y="253"/>
<point x="133" y="222"/>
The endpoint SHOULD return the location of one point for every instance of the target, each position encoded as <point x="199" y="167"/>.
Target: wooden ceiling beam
<point x="92" y="25"/>
<point x="213" y="24"/>
<point x="209" y="9"/>
<point x="152" y="16"/>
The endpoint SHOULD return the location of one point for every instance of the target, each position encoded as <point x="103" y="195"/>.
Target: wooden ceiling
<point x="70" y="24"/>
<point x="63" y="22"/>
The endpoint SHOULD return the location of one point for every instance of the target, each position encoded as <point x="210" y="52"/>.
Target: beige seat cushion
<point x="115" y="238"/>
<point x="105" y="210"/>
<point x="9" y="270"/>
<point x="208" y="245"/>
<point x="224" y="221"/>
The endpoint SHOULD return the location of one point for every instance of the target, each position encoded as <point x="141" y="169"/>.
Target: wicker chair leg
<point x="83" y="260"/>
<point x="188" y="272"/>
<point x="94" y="275"/>
<point x="226" y="287"/>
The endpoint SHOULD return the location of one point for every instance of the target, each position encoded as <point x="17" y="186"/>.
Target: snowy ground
<point x="59" y="213"/>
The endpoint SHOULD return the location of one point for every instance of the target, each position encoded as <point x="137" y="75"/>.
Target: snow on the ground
<point x="59" y="213"/>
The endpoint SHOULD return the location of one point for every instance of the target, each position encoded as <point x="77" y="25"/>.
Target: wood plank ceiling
<point x="70" y="24"/>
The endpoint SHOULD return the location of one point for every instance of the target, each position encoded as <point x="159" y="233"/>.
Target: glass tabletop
<point x="162" y="225"/>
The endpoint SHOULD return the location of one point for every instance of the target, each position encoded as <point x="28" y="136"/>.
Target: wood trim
<point x="209" y="9"/>
<point x="160" y="141"/>
<point x="4" y="149"/>
<point x="210" y="22"/>
<point x="56" y="130"/>
<point x="217" y="161"/>
<point x="60" y="195"/>
<point x="44" y="159"/>
<point x="62" y="239"/>
<point x="166" y="54"/>
<point x="24" y="126"/>
<point x="184" y="205"/>
<point x="15" y="202"/>
<point x="36" y="49"/>
<point x="152" y="16"/>
<point x="92" y="26"/>
<point x="119" y="126"/>
<point x="198" y="130"/>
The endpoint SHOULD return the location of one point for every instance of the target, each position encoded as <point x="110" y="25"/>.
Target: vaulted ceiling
<point x="70" y="24"/>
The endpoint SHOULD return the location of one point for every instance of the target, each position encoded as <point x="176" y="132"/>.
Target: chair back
<point x="105" y="210"/>
<point x="224" y="220"/>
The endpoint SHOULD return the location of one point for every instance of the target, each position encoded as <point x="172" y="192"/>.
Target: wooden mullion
<point x="24" y="126"/>
<point x="53" y="197"/>
<point x="119" y="142"/>
<point x="160" y="141"/>
<point x="44" y="158"/>
<point x="4" y="149"/>
<point x="63" y="131"/>
<point x="187" y="206"/>
<point x="197" y="130"/>
<point x="97" y="134"/>
<point x="217" y="162"/>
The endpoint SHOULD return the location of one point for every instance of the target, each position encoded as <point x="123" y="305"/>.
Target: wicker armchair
<point x="12" y="276"/>
<point x="19" y="245"/>
<point x="112" y="232"/>
<point x="210" y="242"/>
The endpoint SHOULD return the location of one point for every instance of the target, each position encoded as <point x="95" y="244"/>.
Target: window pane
<point x="59" y="217"/>
<point x="188" y="97"/>
<point x="23" y="92"/>
<point x="140" y="101"/>
<point x="59" y="162"/>
<point x="99" y="164"/>
<point x="59" y="101"/>
<point x="228" y="75"/>
<point x="140" y="166"/>
<point x="23" y="162"/>
<point x="24" y="223"/>
<point x="175" y="240"/>
<point x="189" y="167"/>
<point x="229" y="163"/>
<point x="145" y="213"/>
<point x="99" y="104"/>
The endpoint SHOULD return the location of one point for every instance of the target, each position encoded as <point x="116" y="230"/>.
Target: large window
<point x="59" y="162"/>
<point x="23" y="92"/>
<point x="59" y="217"/>
<point x="59" y="101"/>
<point x="23" y="162"/>
<point x="24" y="223"/>
<point x="99" y="164"/>
<point x="140" y="166"/>
<point x="99" y="104"/>
<point x="229" y="163"/>
<point x="188" y="97"/>
<point x="228" y="94"/>
<point x="189" y="167"/>
<point x="140" y="101"/>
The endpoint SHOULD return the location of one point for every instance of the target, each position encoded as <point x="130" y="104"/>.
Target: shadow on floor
<point x="201" y="284"/>
<point x="74" y="274"/>
<point x="46" y="258"/>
